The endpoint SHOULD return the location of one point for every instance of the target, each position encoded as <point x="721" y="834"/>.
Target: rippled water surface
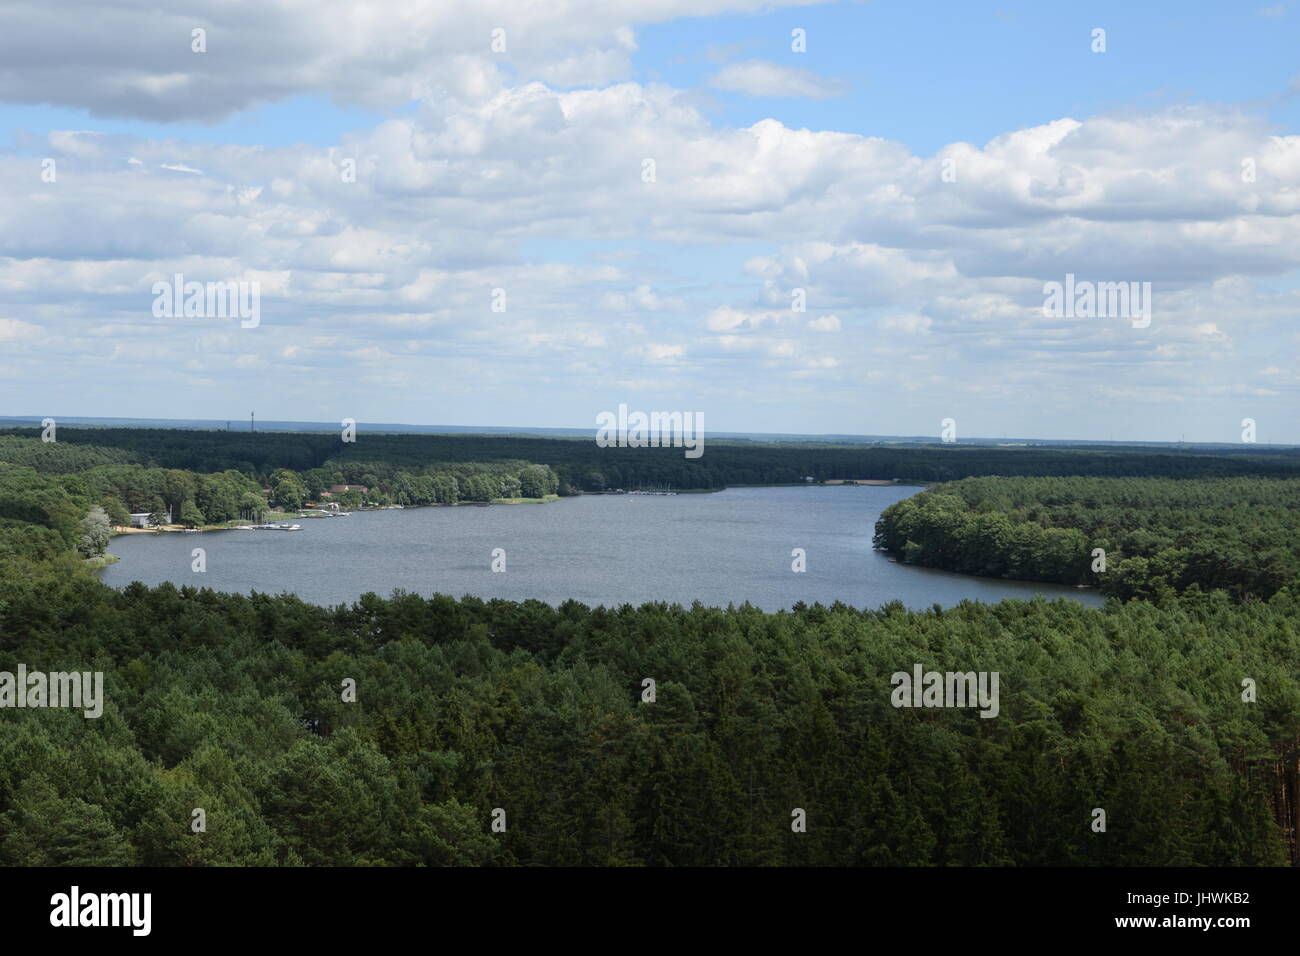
<point x="724" y="548"/>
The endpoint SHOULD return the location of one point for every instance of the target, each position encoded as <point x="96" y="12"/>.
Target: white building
<point x="140" y="519"/>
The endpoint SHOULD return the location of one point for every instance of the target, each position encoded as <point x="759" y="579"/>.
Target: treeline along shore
<point x="467" y="712"/>
<point x="582" y="465"/>
<point x="71" y="477"/>
<point x="1132" y="537"/>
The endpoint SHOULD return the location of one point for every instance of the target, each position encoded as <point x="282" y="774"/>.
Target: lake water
<point x="724" y="548"/>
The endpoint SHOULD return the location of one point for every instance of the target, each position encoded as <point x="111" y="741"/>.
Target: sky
<point x="785" y="216"/>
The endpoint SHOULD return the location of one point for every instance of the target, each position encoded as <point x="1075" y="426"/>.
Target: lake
<point x="724" y="548"/>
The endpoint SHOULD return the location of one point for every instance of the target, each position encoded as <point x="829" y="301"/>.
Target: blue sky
<point x="922" y="74"/>
<point x="930" y="74"/>
<point x="523" y="171"/>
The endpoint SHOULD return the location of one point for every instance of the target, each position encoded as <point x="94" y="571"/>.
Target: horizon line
<point x="268" y="425"/>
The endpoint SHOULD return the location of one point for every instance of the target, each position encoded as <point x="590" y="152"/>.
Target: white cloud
<point x="640" y="299"/>
<point x="727" y="319"/>
<point x="663" y="353"/>
<point x="520" y="186"/>
<point x="764" y="78"/>
<point x="911" y="324"/>
<point x="133" y="58"/>
<point x="11" y="329"/>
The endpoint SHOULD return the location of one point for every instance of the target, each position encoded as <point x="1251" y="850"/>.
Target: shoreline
<point x="175" y="528"/>
<point x="1048" y="589"/>
<point x="290" y="516"/>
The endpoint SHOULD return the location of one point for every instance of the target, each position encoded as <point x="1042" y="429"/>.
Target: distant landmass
<point x="395" y="428"/>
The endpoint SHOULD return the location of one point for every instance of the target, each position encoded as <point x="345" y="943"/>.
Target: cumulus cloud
<point x="728" y="319"/>
<point x="11" y="329"/>
<point x="134" y="58"/>
<point x="916" y="270"/>
<point x="910" y="324"/>
<point x="764" y="78"/>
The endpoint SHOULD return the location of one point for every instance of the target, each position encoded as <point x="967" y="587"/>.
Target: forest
<point x="583" y="466"/>
<point x="1157" y="535"/>
<point x="464" y="708"/>
<point x="1176" y="711"/>
<point x="57" y="476"/>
